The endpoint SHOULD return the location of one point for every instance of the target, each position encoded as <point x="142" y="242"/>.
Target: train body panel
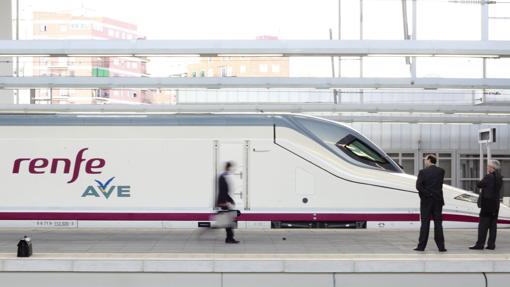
<point x="287" y="169"/>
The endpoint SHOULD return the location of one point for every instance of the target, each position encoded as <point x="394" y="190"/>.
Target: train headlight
<point x="467" y="197"/>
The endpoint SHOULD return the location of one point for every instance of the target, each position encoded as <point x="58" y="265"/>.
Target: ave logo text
<point x="107" y="190"/>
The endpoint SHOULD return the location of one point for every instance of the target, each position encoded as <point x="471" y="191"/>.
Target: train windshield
<point x="362" y="151"/>
<point x="348" y="144"/>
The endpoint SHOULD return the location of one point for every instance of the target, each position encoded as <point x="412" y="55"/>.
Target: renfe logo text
<point x="60" y="165"/>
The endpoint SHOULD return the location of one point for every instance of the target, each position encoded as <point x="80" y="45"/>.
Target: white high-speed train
<point x="291" y="170"/>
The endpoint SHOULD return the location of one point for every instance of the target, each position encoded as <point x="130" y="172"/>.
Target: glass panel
<point x="470" y="185"/>
<point x="506" y="188"/>
<point x="408" y="155"/>
<point x="443" y="155"/>
<point x="408" y="165"/>
<point x="328" y="133"/>
<point x="505" y="168"/>
<point x="363" y="151"/>
<point x="447" y="166"/>
<point x="346" y="142"/>
<point x="469" y="168"/>
<point x="393" y="154"/>
<point x="447" y="181"/>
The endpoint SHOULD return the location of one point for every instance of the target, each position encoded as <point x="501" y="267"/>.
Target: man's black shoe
<point x="443" y="250"/>
<point x="419" y="249"/>
<point x="476" y="247"/>
<point x="232" y="241"/>
<point x="490" y="247"/>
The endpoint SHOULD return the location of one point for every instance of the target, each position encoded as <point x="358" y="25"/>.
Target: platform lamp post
<point x="485" y="136"/>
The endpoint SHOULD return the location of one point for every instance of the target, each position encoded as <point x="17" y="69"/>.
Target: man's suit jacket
<point x="491" y="185"/>
<point x="430" y="183"/>
<point x="223" y="191"/>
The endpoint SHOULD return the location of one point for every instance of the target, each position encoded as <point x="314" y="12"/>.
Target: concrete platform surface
<point x="280" y="250"/>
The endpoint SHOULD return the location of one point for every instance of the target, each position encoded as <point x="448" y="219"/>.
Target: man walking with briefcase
<point x="225" y="201"/>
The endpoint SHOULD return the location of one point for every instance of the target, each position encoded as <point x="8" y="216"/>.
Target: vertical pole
<point x="413" y="37"/>
<point x="215" y="175"/>
<point x="485" y="20"/>
<point x="489" y="154"/>
<point x="246" y="174"/>
<point x="332" y="57"/>
<point x="481" y="160"/>
<point x="339" y="36"/>
<point x="361" y="38"/>
<point x="333" y="67"/>
<point x="338" y="94"/>
<point x="16" y="98"/>
<point x="484" y="37"/>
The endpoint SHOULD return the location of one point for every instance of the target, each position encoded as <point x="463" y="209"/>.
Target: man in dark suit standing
<point x="430" y="188"/>
<point x="224" y="201"/>
<point x="488" y="202"/>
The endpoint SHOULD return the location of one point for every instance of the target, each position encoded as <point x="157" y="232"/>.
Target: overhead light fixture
<point x="470" y="114"/>
<point x="98" y="55"/>
<point x="166" y="55"/>
<point x="31" y="55"/>
<point x="467" y="56"/>
<point x="250" y="55"/>
<point x="435" y="55"/>
<point x="400" y="55"/>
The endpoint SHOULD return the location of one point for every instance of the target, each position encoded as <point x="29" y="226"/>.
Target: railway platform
<point x="275" y="257"/>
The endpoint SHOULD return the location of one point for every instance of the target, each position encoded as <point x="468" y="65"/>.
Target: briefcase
<point x="225" y="219"/>
<point x="25" y="247"/>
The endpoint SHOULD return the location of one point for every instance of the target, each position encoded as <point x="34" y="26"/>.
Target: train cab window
<point x="348" y="144"/>
<point x="360" y="151"/>
<point x="363" y="151"/>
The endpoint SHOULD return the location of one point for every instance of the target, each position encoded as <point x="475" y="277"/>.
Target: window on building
<point x="470" y="171"/>
<point x="242" y="69"/>
<point x="263" y="68"/>
<point x="223" y="71"/>
<point x="43" y="28"/>
<point x="275" y="68"/>
<point x="406" y="160"/>
<point x="63" y="28"/>
<point x="210" y="72"/>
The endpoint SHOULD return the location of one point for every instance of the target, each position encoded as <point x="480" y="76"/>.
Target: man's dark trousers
<point x="431" y="207"/>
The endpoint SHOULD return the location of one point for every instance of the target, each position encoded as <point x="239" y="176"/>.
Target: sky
<point x="308" y="19"/>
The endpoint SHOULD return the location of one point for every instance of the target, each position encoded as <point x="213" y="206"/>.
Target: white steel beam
<point x="250" y="82"/>
<point x="255" y="47"/>
<point x="422" y="119"/>
<point x="390" y="110"/>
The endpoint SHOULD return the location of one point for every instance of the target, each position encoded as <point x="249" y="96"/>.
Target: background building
<point x="64" y="25"/>
<point x="232" y="66"/>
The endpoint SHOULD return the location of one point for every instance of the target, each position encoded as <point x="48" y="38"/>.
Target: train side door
<point x="237" y="153"/>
